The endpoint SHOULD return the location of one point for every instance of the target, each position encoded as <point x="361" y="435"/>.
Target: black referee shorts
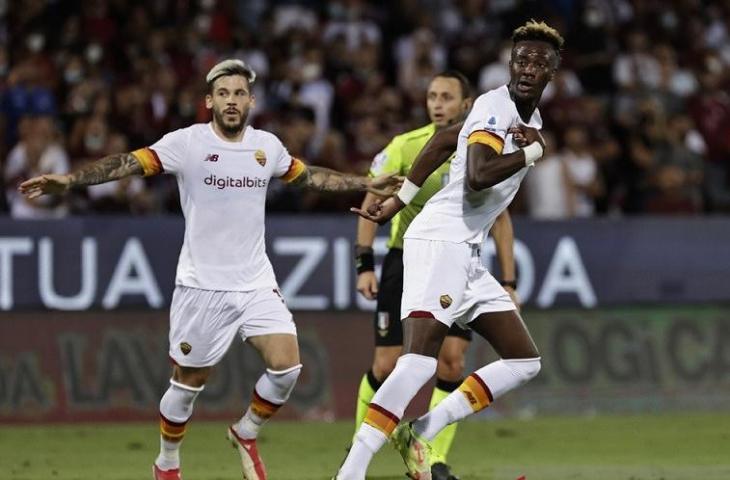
<point x="388" y="327"/>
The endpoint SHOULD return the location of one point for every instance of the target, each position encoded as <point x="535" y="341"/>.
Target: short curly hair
<point x="538" y="31"/>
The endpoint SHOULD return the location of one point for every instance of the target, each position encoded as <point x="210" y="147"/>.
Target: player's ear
<point x="467" y="103"/>
<point x="208" y="101"/>
<point x="253" y="100"/>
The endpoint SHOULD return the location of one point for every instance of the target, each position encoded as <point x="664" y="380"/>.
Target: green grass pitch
<point x="666" y="447"/>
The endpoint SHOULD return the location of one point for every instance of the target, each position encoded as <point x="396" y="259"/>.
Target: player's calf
<point x="272" y="390"/>
<point x="176" y="407"/>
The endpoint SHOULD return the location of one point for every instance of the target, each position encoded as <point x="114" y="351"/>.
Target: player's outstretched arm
<point x="107" y="169"/>
<point x="504" y="239"/>
<point x="327" y="180"/>
<point x="438" y="149"/>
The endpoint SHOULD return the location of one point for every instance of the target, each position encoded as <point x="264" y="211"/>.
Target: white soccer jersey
<point x="457" y="213"/>
<point x="223" y="194"/>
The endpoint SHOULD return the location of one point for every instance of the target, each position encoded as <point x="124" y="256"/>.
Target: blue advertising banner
<point x="110" y="262"/>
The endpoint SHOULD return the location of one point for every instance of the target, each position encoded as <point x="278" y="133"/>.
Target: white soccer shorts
<point x="448" y="281"/>
<point x="203" y="323"/>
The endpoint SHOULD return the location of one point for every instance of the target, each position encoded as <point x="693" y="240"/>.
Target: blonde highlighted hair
<point x="538" y="31"/>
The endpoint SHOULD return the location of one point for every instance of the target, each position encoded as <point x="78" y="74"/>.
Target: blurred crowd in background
<point x="637" y="119"/>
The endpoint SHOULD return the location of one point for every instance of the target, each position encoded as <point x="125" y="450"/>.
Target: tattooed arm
<point x="107" y="169"/>
<point x="326" y="180"/>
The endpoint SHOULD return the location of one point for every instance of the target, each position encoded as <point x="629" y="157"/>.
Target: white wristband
<point x="532" y="153"/>
<point x="407" y="191"/>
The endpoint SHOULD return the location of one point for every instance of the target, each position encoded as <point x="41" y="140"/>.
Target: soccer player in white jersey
<point x="444" y="279"/>
<point x="225" y="285"/>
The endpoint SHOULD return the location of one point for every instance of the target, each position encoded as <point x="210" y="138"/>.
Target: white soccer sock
<point x="451" y="409"/>
<point x="411" y="372"/>
<point x="169" y="456"/>
<point x="272" y="390"/>
<point x="176" y="406"/>
<point x="366" y="443"/>
<point x="505" y="375"/>
<point x="500" y="377"/>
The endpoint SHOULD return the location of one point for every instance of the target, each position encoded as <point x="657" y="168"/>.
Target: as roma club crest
<point x="445" y="301"/>
<point x="260" y="157"/>
<point x="185" y="348"/>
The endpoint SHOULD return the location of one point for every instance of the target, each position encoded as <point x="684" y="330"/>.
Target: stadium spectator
<point x="37" y="153"/>
<point x="361" y="68"/>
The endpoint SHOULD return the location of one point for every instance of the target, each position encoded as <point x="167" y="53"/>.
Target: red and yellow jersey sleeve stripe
<point x="487" y="138"/>
<point x="149" y="160"/>
<point x="381" y="419"/>
<point x="296" y="168"/>
<point x="476" y="392"/>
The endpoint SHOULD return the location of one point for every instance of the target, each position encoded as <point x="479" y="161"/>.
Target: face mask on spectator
<point x="72" y="75"/>
<point x="311" y="71"/>
<point x="93" y="142"/>
<point x="36" y="42"/>
<point x="593" y="18"/>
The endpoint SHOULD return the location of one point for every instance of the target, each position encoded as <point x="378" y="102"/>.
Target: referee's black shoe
<point x="441" y="471"/>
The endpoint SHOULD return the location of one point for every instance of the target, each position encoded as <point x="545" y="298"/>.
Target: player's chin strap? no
<point x="408" y="191"/>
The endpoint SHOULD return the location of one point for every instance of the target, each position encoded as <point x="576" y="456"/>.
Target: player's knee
<point x="524" y="368"/>
<point x="283" y="382"/>
<point x="177" y="402"/>
<point x="450" y="367"/>
<point x="191" y="376"/>
<point x="383" y="365"/>
<point x="419" y="367"/>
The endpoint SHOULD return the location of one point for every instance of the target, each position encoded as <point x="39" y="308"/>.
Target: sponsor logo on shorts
<point x="383" y="323"/>
<point x="185" y="348"/>
<point x="238" y="182"/>
<point x="445" y="301"/>
<point x="260" y="157"/>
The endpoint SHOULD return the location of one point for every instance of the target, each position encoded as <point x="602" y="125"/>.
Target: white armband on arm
<point x="407" y="191"/>
<point x="532" y="153"/>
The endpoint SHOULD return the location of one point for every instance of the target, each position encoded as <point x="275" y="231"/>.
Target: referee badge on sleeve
<point x="383" y="323"/>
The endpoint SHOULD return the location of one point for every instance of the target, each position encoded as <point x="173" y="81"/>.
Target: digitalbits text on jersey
<point x="230" y="182"/>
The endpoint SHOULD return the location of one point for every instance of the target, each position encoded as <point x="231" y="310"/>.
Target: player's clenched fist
<point x="524" y="135"/>
<point x="44" y="185"/>
<point x="367" y="285"/>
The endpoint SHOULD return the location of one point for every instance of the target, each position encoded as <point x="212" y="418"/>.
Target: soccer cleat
<point x="414" y="450"/>
<point x="253" y="467"/>
<point x="441" y="471"/>
<point x="159" y="474"/>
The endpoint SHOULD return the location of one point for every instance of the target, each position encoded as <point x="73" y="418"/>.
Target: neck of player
<point x="525" y="107"/>
<point x="227" y="135"/>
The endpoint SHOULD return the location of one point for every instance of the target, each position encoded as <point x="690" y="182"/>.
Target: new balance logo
<point x="212" y="157"/>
